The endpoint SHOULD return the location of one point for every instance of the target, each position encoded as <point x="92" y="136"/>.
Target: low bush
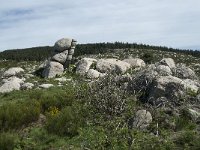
<point x="107" y="97"/>
<point x="15" y="115"/>
<point x="65" y="122"/>
<point x="8" y="141"/>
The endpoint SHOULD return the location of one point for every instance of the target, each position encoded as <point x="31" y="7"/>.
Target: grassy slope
<point x="73" y="123"/>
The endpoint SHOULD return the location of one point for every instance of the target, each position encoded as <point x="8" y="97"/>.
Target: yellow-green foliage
<point x="66" y="122"/>
<point x="14" y="115"/>
<point x="7" y="141"/>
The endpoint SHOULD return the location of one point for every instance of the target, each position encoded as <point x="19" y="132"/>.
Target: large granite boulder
<point x="63" y="44"/>
<point x="11" y="84"/>
<point x="84" y="65"/>
<point x="135" y="62"/>
<point x="168" y="62"/>
<point x="171" y="87"/>
<point x="184" y="72"/>
<point x="94" y="74"/>
<point x="52" y="69"/>
<point x="112" y="65"/>
<point x="60" y="57"/>
<point x="14" y="71"/>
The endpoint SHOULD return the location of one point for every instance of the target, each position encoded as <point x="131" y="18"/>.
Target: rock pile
<point x="94" y="68"/>
<point x="61" y="57"/>
<point x="165" y="82"/>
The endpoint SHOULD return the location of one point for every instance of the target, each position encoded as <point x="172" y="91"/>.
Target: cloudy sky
<point x="31" y="23"/>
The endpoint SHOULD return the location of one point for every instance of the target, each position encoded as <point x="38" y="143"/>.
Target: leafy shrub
<point x="148" y="57"/>
<point x="14" y="115"/>
<point x="8" y="141"/>
<point x="107" y="97"/>
<point x="66" y="122"/>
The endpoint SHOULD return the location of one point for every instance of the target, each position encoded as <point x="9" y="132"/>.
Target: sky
<point x="31" y="23"/>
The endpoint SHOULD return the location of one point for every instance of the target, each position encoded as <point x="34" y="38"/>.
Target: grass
<point x="78" y="117"/>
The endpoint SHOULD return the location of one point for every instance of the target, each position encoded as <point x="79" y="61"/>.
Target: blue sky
<point x="31" y="23"/>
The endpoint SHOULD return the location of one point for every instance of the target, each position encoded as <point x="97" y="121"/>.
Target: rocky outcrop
<point x="112" y="65"/>
<point x="11" y="84"/>
<point x="184" y="72"/>
<point x="84" y="65"/>
<point x="158" y="86"/>
<point x="168" y="62"/>
<point x="52" y="69"/>
<point x="135" y="62"/>
<point x="14" y="71"/>
<point x="61" y="57"/>
<point x="94" y="74"/>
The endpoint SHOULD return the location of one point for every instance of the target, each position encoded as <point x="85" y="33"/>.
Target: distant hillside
<point x="41" y="53"/>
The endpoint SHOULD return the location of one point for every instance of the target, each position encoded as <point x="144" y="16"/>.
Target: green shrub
<point x="8" y="141"/>
<point x="107" y="97"/>
<point x="14" y="115"/>
<point x="148" y="57"/>
<point x="65" y="122"/>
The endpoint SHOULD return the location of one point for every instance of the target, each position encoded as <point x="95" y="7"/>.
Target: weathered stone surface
<point x="53" y="69"/>
<point x="10" y="84"/>
<point x="112" y="65"/>
<point x="84" y="65"/>
<point x="93" y="74"/>
<point x="184" y="72"/>
<point x="170" y="87"/>
<point x="60" y="57"/>
<point x="63" y="44"/>
<point x="45" y="86"/>
<point x="168" y="62"/>
<point x="163" y="70"/>
<point x="142" y="119"/>
<point x="69" y="57"/>
<point x="71" y="52"/>
<point x="135" y="62"/>
<point x="14" y="71"/>
<point x="27" y="86"/>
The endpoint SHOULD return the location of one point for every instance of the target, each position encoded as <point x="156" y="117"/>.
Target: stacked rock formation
<point x="61" y="57"/>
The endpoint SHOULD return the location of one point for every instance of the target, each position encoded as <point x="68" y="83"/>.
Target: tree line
<point x="42" y="53"/>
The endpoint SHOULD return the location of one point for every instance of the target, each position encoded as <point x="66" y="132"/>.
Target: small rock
<point x="142" y="119"/>
<point x="45" y="86"/>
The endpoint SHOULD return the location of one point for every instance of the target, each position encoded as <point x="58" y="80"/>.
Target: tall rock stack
<point x="61" y="57"/>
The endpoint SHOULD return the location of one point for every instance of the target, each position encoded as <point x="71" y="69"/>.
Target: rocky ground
<point x="109" y="101"/>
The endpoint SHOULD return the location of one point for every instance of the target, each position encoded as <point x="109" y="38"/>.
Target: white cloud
<point x="172" y="23"/>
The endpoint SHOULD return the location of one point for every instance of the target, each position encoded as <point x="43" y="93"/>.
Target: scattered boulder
<point x="184" y="72"/>
<point x="84" y="65"/>
<point x="45" y="86"/>
<point x="53" y="69"/>
<point x="112" y="65"/>
<point x="27" y="86"/>
<point x="163" y="70"/>
<point x="135" y="62"/>
<point x="14" y="71"/>
<point x="194" y="113"/>
<point x="168" y="62"/>
<point x="11" y="84"/>
<point x="142" y="119"/>
<point x="171" y="87"/>
<point x="93" y="74"/>
<point x="62" y="79"/>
